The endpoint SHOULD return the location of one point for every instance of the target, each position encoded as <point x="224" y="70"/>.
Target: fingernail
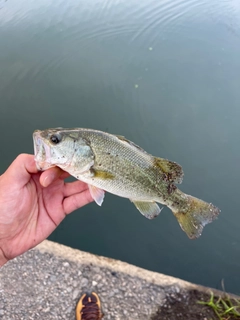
<point x="46" y="182"/>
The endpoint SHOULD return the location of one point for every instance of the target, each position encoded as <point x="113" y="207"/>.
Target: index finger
<point x="51" y="175"/>
<point x="21" y="169"/>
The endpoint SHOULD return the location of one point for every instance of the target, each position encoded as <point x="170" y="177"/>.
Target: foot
<point x="89" y="307"/>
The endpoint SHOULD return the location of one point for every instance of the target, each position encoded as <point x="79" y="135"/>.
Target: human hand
<point x="32" y="204"/>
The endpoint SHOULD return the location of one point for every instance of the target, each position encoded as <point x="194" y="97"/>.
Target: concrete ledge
<point x="47" y="282"/>
<point x="82" y="257"/>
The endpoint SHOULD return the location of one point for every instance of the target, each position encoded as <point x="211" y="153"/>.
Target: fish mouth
<point x="42" y="152"/>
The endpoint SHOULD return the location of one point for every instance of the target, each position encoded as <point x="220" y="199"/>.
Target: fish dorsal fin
<point x="172" y="170"/>
<point x="122" y="138"/>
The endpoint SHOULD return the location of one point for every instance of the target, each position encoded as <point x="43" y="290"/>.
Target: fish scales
<point x="112" y="163"/>
<point x="125" y="162"/>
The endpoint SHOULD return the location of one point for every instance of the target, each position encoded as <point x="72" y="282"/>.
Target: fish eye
<point x="55" y="138"/>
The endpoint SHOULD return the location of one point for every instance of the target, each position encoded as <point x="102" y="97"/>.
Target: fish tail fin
<point x="196" y="216"/>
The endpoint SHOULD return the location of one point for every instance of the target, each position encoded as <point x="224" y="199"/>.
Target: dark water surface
<point x="165" y="74"/>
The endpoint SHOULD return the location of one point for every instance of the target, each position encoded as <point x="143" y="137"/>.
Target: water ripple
<point x="160" y="15"/>
<point x="60" y="32"/>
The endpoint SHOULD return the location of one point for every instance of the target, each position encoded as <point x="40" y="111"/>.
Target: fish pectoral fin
<point x="97" y="194"/>
<point x="103" y="175"/>
<point x="172" y="170"/>
<point x="148" y="209"/>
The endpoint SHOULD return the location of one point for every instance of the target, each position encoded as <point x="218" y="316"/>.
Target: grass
<point x="224" y="307"/>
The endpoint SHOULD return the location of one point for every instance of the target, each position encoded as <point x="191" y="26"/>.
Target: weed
<point x="224" y="307"/>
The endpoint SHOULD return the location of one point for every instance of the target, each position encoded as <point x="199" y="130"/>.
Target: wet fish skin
<point x="114" y="164"/>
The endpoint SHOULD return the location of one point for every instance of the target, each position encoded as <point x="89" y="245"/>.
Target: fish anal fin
<point x="97" y="194"/>
<point x="150" y="210"/>
<point x="172" y="170"/>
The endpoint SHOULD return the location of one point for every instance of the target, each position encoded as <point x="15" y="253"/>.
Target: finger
<point x="64" y="175"/>
<point x="51" y="175"/>
<point x="74" y="187"/>
<point x="77" y="201"/>
<point x="21" y="169"/>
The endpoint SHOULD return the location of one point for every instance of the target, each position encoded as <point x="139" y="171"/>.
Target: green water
<point x="165" y="74"/>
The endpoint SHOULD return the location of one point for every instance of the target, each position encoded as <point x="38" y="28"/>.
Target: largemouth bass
<point x="114" y="164"/>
